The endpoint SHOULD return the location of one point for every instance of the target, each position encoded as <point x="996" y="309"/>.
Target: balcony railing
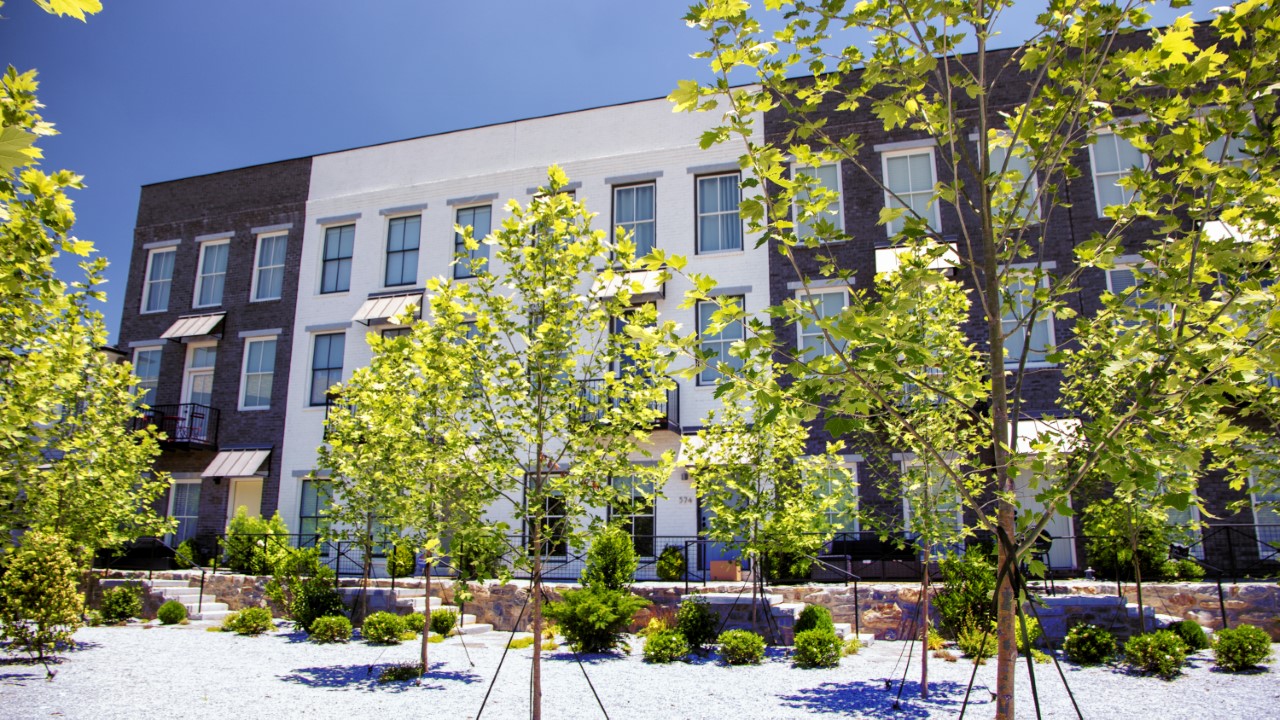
<point x="668" y="410"/>
<point x="187" y="424"/>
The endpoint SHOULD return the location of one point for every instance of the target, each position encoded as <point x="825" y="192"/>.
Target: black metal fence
<point x="184" y="424"/>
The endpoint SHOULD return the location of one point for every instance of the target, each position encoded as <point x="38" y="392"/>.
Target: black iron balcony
<point x="185" y="425"/>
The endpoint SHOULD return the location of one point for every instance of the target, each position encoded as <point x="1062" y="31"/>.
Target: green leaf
<point x="15" y="148"/>
<point x="74" y="8"/>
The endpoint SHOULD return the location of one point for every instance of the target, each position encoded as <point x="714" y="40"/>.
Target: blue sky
<point x="153" y="90"/>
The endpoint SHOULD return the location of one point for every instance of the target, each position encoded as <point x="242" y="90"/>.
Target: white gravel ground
<point x="185" y="672"/>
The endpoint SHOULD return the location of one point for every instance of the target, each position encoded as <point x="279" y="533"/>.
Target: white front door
<point x="246" y="493"/>
<point x="197" y="393"/>
<point x="1062" y="551"/>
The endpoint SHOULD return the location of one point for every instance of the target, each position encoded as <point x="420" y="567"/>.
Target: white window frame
<point x="315" y="339"/>
<point x="718" y="214"/>
<point x="1033" y="211"/>
<point x="202" y="277"/>
<point x="1262" y="516"/>
<point x="712" y="306"/>
<point x="148" y="283"/>
<point x="1136" y="267"/>
<point x="386" y="250"/>
<point x="895" y="227"/>
<point x="633" y="224"/>
<point x="481" y="250"/>
<point x="258" y="267"/>
<point x="815" y="296"/>
<point x="245" y="374"/>
<point x="804" y="231"/>
<point x="1044" y="316"/>
<point x="908" y="462"/>
<point x="174" y="538"/>
<point x="1119" y="175"/>
<point x="849" y="511"/>
<point x="153" y="389"/>
<point x="189" y="373"/>
<point x="350" y="259"/>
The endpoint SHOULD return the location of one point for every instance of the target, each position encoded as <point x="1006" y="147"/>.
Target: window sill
<point x="263" y="300"/>
<point x="719" y="253"/>
<point x="253" y="409"/>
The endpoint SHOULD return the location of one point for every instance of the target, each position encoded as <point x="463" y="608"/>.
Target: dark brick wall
<point x="234" y="201"/>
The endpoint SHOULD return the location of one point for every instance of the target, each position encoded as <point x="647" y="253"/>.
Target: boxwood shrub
<point x="382" y="628"/>
<point x="253" y="621"/>
<point x="1161" y="653"/>
<point x="1241" y="648"/>
<point x="1089" y="644"/>
<point x="817" y="648"/>
<point x="330" y="629"/>
<point x="443" y="621"/>
<point x="172" y="612"/>
<point x="1192" y="634"/>
<point x="697" y="622"/>
<point x="814" y="617"/>
<point x="121" y="603"/>
<point x="664" y="647"/>
<point x="741" y="647"/>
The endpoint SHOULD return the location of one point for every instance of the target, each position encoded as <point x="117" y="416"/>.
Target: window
<point x="480" y="219"/>
<point x="212" y="275"/>
<point x="931" y="488"/>
<point x="146" y="365"/>
<point x="633" y="212"/>
<point x="719" y="226"/>
<point x="555" y="530"/>
<point x="909" y="180"/>
<point x="828" y="177"/>
<point x="259" y="367"/>
<point x="184" y="506"/>
<point x="1127" y="281"/>
<point x="402" y="250"/>
<point x="1023" y="185"/>
<point x="335" y="269"/>
<point x="1018" y="331"/>
<point x="635" y="508"/>
<point x="316" y="496"/>
<point x="843" y="518"/>
<point x="268" y="271"/>
<point x="1265" y="498"/>
<point x="1113" y="159"/>
<point x="819" y="305"/>
<point x="155" y="295"/>
<point x="718" y="344"/>
<point x="396" y="331"/>
<point x="326" y="366"/>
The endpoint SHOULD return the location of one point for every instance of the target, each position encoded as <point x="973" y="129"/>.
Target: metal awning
<point x="644" y="285"/>
<point x="193" y="326"/>
<point x="237" y="463"/>
<point x="890" y="259"/>
<point x="1059" y="431"/>
<point x="387" y="306"/>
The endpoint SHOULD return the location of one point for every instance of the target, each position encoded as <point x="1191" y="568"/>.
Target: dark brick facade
<point x="1071" y="218"/>
<point x="236" y="201"/>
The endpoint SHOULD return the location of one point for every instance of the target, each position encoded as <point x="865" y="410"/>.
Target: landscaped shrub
<point x="781" y="565"/>
<point x="852" y="645"/>
<point x="476" y="553"/>
<point x="1033" y="633"/>
<point x="443" y="621"/>
<point x="253" y="621"/>
<point x="92" y="618"/>
<point x="330" y="629"/>
<point x="1109" y="524"/>
<point x="965" y="600"/>
<point x="594" y="619"/>
<point x="1240" y="648"/>
<point x="39" y="604"/>
<point x="303" y="586"/>
<point x="817" y="648"/>
<point x="1089" y="644"/>
<point x="229" y="622"/>
<point x="414" y="622"/>
<point x="1189" y="569"/>
<point x="172" y="612"/>
<point x="401" y="672"/>
<point x="664" y="647"/>
<point x="382" y="628"/>
<point x="741" y="647"/>
<point x="814" y="617"/>
<point x="1192" y="634"/>
<point x="188" y="555"/>
<point x="121" y="603"/>
<point x="697" y="622"/>
<point x="255" y="545"/>
<point x="672" y="565"/>
<point x="1160" y="652"/>
<point x="653" y="627"/>
<point x="401" y="561"/>
<point x="611" y="560"/>
<point x="933" y="639"/>
<point x="315" y="598"/>
<point x="977" y="643"/>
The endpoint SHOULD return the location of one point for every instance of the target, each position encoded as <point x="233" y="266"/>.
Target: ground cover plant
<point x="330" y="629"/>
<point x="172" y="612"/>
<point x="977" y="643"/>
<point x="741" y="647"/>
<point x="1089" y="644"/>
<point x="1159" y="653"/>
<point x="1241" y="647"/>
<point x="121" y="603"/>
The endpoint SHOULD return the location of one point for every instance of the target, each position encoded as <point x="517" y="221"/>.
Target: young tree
<point x="1180" y="353"/>
<point x="70" y="462"/>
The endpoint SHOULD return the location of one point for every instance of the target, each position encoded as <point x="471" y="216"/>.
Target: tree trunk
<point x="924" y="628"/>
<point x="426" y="612"/>
<point x="535" y="698"/>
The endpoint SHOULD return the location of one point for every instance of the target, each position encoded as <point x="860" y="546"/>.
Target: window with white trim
<point x="184" y="506"/>
<point x="719" y="224"/>
<point x="634" y="211"/>
<point x="1127" y="281"/>
<point x="316" y="496"/>
<point x="909" y="177"/>
<point x="259" y="370"/>
<point x="843" y="518"/>
<point x="1113" y="158"/>
<point x="155" y="291"/>
<point x="395" y="331"/>
<point x="146" y="366"/>
<point x="335" y="264"/>
<point x="326" y="365"/>
<point x="718" y="343"/>
<point x="1019" y="331"/>
<point x="1024" y="185"/>
<point x="1265" y="499"/>
<point x="635" y="508"/>
<point x="403" y="236"/>
<point x="480" y="219"/>
<point x="828" y="178"/>
<point x="268" y="267"/>
<point x="820" y="305"/>
<point x="933" y="489"/>
<point x="211" y="278"/>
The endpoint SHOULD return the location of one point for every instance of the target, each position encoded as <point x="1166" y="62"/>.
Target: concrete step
<point x="418" y="604"/>
<point x="844" y="630"/>
<point x="743" y="599"/>
<point x="169" y="583"/>
<point x="209" y="605"/>
<point x="475" y="629"/>
<point x="176" y="593"/>
<point x="214" y="615"/>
